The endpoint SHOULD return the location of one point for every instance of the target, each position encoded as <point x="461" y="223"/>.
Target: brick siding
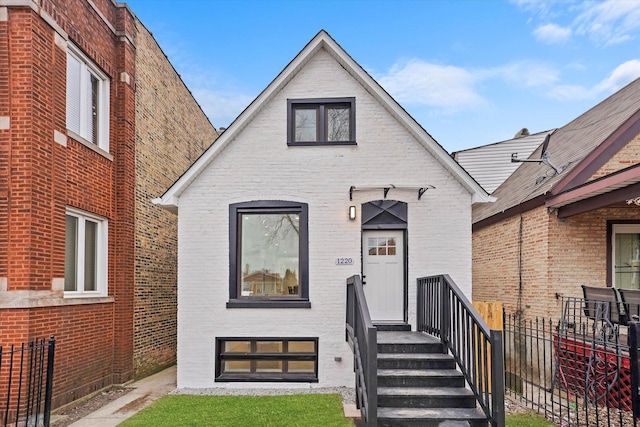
<point x="626" y="157"/>
<point x="171" y="133"/>
<point x="559" y="255"/>
<point x="40" y="176"/>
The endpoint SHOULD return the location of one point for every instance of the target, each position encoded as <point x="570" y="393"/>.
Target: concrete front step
<point x="431" y="417"/>
<point x="426" y="397"/>
<point x="392" y="327"/>
<point x="420" y="378"/>
<point x="415" y="361"/>
<point x="410" y="348"/>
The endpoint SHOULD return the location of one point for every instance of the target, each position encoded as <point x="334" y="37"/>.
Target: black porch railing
<point x="362" y="337"/>
<point x="444" y="312"/>
<point x="26" y="383"/>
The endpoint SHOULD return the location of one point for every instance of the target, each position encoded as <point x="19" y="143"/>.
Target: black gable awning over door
<point x="384" y="214"/>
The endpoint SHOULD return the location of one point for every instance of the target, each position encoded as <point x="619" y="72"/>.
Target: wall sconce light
<point x="352" y="213"/>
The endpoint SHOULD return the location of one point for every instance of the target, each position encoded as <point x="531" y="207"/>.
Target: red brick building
<point x="94" y="121"/>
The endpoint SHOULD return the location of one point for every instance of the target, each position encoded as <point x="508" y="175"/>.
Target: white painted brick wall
<point x="258" y="165"/>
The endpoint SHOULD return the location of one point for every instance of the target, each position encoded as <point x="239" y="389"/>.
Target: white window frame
<point x="101" y="256"/>
<point x="87" y="68"/>
<point x="619" y="229"/>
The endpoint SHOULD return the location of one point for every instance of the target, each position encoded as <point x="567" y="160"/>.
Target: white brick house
<point x="265" y="238"/>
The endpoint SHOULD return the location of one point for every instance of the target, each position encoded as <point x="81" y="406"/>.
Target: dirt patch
<point x="515" y="406"/>
<point x="74" y="412"/>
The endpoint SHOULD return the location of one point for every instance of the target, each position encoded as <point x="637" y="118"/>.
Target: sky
<point x="470" y="72"/>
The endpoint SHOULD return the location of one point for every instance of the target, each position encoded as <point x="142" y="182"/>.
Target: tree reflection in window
<point x="269" y="254"/>
<point x="338" y="124"/>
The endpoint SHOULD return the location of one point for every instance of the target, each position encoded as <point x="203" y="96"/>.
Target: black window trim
<point x="321" y="103"/>
<point x="270" y="377"/>
<point x="268" y="206"/>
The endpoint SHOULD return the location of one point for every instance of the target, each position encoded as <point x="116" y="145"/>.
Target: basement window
<point x="267" y="359"/>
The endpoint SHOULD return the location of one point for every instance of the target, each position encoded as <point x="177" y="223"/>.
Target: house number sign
<point x="344" y="261"/>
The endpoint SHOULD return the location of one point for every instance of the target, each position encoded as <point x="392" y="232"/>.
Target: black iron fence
<point x="26" y="383"/>
<point x="362" y="337"/>
<point x="578" y="370"/>
<point x="444" y="312"/>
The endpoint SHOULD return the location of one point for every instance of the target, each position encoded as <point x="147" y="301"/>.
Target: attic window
<point x="326" y="121"/>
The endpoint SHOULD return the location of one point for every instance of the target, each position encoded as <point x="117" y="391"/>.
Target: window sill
<point x="89" y="145"/>
<point x="236" y="303"/>
<point x="254" y="378"/>
<point x="83" y="295"/>
<point x="320" y="143"/>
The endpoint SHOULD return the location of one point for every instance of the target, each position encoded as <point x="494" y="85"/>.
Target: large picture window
<point x="267" y="359"/>
<point x="87" y="99"/>
<point x="269" y="254"/>
<point x="85" y="263"/>
<point x="329" y="121"/>
<point x="625" y="256"/>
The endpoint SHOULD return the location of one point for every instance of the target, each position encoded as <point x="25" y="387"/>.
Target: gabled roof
<point x="580" y="148"/>
<point x="322" y="40"/>
<point x="491" y="164"/>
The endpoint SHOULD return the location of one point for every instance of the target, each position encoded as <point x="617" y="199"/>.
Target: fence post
<point x="49" y="386"/>
<point x="497" y="378"/>
<point x="634" y="355"/>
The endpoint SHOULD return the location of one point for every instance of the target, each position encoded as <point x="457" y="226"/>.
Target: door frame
<point x="387" y="215"/>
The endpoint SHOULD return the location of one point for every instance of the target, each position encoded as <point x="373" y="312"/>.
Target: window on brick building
<point x="625" y="256"/>
<point x="269" y="254"/>
<point x="85" y="262"/>
<point x="87" y="99"/>
<point x="328" y="121"/>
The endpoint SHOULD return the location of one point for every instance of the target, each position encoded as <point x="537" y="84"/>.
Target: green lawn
<point x="304" y="410"/>
<point x="527" y="420"/>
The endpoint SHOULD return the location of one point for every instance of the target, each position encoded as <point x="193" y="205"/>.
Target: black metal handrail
<point x="361" y="336"/>
<point x="27" y="373"/>
<point x="445" y="312"/>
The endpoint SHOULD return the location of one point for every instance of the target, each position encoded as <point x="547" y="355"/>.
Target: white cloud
<point x="622" y="75"/>
<point x="422" y="83"/>
<point x="527" y="73"/>
<point x="604" y="23"/>
<point x="542" y="8"/>
<point x="552" y="34"/>
<point x="570" y="92"/>
<point x="450" y="88"/>
<point x="609" y="22"/>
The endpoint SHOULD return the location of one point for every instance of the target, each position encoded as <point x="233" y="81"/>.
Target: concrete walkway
<point x="144" y="392"/>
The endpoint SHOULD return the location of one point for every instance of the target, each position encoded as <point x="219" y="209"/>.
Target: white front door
<point x="383" y="268"/>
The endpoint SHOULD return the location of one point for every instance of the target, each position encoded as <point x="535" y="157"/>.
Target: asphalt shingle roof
<point x="567" y="146"/>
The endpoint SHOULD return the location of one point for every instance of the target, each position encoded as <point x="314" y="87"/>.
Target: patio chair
<point x="631" y="299"/>
<point x="593" y="295"/>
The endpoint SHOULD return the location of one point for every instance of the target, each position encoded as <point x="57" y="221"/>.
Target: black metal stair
<point x="419" y="385"/>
